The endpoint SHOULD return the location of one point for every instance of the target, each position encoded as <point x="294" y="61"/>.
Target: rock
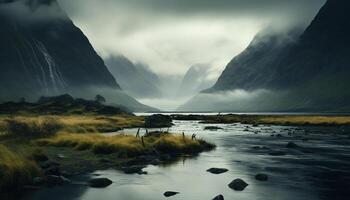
<point x="219" y="197"/>
<point x="277" y="153"/>
<point x="279" y="135"/>
<point x="158" y="121"/>
<point x="292" y="145"/>
<point x="238" y="185"/>
<point x="49" y="163"/>
<point x="133" y="169"/>
<point x="53" y="170"/>
<point x="100" y="182"/>
<point x="217" y="170"/>
<point x="170" y="193"/>
<point x="261" y="177"/>
<point x="53" y="180"/>
<point x="212" y="128"/>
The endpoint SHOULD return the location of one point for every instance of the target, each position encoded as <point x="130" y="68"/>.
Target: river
<point x="318" y="169"/>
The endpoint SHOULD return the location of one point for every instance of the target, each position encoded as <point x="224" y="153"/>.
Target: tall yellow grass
<point x="15" y="170"/>
<point x="127" y="145"/>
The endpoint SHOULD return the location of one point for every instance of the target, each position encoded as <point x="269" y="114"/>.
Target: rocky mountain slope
<point x="310" y="73"/>
<point x="43" y="53"/>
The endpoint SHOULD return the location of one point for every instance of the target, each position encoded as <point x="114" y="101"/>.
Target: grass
<point x="50" y="124"/>
<point x="298" y="120"/>
<point x="127" y="146"/>
<point x="15" y="170"/>
<point x="307" y="120"/>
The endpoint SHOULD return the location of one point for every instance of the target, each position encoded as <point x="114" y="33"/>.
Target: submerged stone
<point x="238" y="185"/>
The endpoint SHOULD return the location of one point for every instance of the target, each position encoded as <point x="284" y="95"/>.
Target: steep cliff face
<point x="134" y="79"/>
<point x="43" y="53"/>
<point x="312" y="71"/>
<point x="256" y="66"/>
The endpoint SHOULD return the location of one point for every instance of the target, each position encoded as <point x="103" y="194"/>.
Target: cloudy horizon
<point x="171" y="36"/>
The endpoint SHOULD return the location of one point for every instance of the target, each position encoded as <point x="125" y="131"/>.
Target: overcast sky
<point x="172" y="35"/>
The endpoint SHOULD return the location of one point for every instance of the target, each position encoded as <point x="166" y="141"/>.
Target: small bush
<point x="46" y="127"/>
<point x="15" y="170"/>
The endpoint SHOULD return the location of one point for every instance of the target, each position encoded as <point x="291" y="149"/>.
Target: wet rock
<point x="133" y="169"/>
<point x="53" y="170"/>
<point x="261" y="177"/>
<point x="217" y="170"/>
<point x="238" y="185"/>
<point x="212" y="128"/>
<point x="292" y="145"/>
<point x="53" y="180"/>
<point x="277" y="153"/>
<point x="158" y="121"/>
<point x="170" y="193"/>
<point x="100" y="182"/>
<point x="49" y="163"/>
<point x="219" y="197"/>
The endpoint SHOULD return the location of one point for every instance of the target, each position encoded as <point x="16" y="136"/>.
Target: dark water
<point x="318" y="169"/>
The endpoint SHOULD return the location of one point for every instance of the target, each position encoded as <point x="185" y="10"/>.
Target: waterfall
<point x="55" y="75"/>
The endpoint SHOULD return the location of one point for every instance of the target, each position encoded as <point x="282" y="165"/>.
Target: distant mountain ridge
<point x="312" y="70"/>
<point x="135" y="79"/>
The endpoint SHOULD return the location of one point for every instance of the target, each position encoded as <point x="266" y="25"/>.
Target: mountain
<point x="196" y="79"/>
<point x="136" y="80"/>
<point x="304" y="73"/>
<point x="43" y="53"/>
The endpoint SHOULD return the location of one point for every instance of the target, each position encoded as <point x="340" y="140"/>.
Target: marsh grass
<point x="51" y="124"/>
<point x="298" y="120"/>
<point x="16" y="170"/>
<point x="32" y="128"/>
<point x="127" y="145"/>
<point x="306" y="120"/>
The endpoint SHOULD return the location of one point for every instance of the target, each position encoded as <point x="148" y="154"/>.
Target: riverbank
<point x="283" y="120"/>
<point x="58" y="147"/>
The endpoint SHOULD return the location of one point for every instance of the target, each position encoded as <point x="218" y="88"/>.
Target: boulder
<point x="261" y="177"/>
<point x="219" y="197"/>
<point x="158" y="121"/>
<point x="238" y="185"/>
<point x="217" y="170"/>
<point x="170" y="193"/>
<point x="137" y="169"/>
<point x="100" y="182"/>
<point x="212" y="128"/>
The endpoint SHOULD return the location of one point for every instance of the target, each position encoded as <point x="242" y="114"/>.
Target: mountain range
<point x="290" y="71"/>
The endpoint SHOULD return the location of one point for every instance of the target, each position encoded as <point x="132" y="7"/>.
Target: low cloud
<point x="32" y="11"/>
